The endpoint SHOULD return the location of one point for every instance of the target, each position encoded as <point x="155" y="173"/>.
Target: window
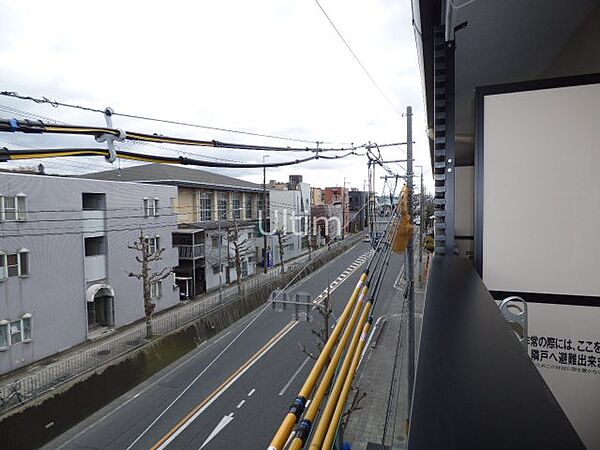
<point x="216" y="269"/>
<point x="16" y="335"/>
<point x="4" y="342"/>
<point x="223" y="200"/>
<point x="150" y="206"/>
<point x="13" y="208"/>
<point x="214" y="241"/>
<point x="26" y="327"/>
<point x="249" y="207"/>
<point x="23" y="262"/>
<point x="237" y="206"/>
<point x="14" y="265"/>
<point x="153" y="244"/>
<point x="205" y="206"/>
<point x="93" y="202"/>
<point x="94" y="246"/>
<point x="156" y="289"/>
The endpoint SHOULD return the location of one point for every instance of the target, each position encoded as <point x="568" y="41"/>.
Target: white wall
<point x="541" y="218"/>
<point x="541" y="191"/>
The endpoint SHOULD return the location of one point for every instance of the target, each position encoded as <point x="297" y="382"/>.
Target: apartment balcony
<point x="93" y="220"/>
<point x="475" y="386"/>
<point x="95" y="267"/>
<point x="191" y="251"/>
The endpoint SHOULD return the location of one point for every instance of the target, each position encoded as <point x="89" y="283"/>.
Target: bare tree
<point x="241" y="249"/>
<point x="282" y="238"/>
<point x="354" y="405"/>
<point x="322" y="333"/>
<point x="147" y="256"/>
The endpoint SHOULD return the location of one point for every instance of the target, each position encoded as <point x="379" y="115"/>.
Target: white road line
<point x="224" y="388"/>
<point x="287" y="385"/>
<point x="154" y="383"/>
<point x="222" y="424"/>
<point x="240" y="404"/>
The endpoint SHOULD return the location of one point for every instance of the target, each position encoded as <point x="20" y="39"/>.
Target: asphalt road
<point x="233" y="390"/>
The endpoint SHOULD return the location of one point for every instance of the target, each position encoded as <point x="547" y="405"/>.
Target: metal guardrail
<point x="47" y="378"/>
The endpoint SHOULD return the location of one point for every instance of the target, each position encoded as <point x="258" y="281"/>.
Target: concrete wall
<point x="54" y="292"/>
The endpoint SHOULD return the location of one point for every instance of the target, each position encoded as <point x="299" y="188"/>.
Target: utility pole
<point x="344" y="210"/>
<point x="410" y="262"/>
<point x="264" y="214"/>
<point x="421" y="226"/>
<point x="281" y="251"/>
<point x="220" y="257"/>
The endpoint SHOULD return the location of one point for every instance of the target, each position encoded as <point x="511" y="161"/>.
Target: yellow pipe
<point x="315" y="404"/>
<point x="325" y="419"/>
<point x="341" y="403"/>
<point x="290" y="420"/>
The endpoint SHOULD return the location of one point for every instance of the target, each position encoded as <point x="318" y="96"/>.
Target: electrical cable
<point x="56" y="104"/>
<point x="37" y="127"/>
<point x="6" y="155"/>
<point x="362" y="66"/>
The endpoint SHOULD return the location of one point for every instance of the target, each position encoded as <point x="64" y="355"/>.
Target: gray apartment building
<point x="64" y="260"/>
<point x="209" y="208"/>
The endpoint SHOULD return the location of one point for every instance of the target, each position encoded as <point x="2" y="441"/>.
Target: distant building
<point x="359" y="211"/>
<point x="316" y="196"/>
<point x="209" y="206"/>
<point x="290" y="214"/>
<point x="64" y="260"/>
<point x="338" y="196"/>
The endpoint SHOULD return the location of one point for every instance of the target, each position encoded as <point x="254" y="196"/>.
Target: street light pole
<point x="264" y="214"/>
<point x="344" y="210"/>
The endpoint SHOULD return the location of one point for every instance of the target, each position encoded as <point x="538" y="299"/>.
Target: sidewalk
<point x="34" y="380"/>
<point x="381" y="423"/>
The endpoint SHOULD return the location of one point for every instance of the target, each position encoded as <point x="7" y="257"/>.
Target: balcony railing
<point x="191" y="251"/>
<point x="476" y="388"/>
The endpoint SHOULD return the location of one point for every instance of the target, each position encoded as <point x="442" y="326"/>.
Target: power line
<point x="56" y="104"/>
<point x="10" y="155"/>
<point x="39" y="127"/>
<point x="362" y="66"/>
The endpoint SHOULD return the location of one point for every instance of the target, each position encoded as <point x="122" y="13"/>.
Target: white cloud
<point x="271" y="66"/>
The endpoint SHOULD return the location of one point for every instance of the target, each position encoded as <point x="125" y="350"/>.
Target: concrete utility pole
<point x="410" y="276"/>
<point x="220" y="258"/>
<point x="421" y="226"/>
<point x="264" y="215"/>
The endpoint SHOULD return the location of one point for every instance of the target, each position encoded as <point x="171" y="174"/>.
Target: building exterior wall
<point x="186" y="205"/>
<point x="54" y="291"/>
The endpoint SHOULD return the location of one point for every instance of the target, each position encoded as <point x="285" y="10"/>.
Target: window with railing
<point x="249" y="207"/>
<point x="237" y="206"/>
<point x="205" y="206"/>
<point x="222" y="205"/>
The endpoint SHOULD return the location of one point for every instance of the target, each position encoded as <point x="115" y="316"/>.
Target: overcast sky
<point x="268" y="66"/>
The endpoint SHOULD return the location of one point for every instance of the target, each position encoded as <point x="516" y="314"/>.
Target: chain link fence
<point x="47" y="378"/>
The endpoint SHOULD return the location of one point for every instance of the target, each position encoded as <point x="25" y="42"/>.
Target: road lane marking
<point x="144" y="390"/>
<point x="287" y="385"/>
<point x="240" y="404"/>
<point x="251" y="392"/>
<point x="357" y="263"/>
<point x="222" y="424"/>
<point x="214" y="395"/>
